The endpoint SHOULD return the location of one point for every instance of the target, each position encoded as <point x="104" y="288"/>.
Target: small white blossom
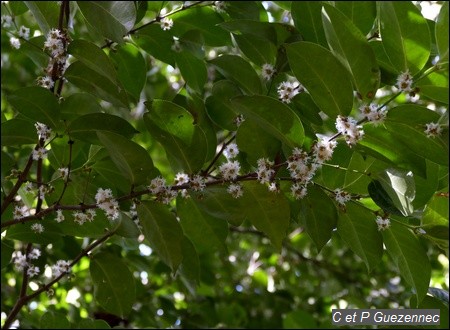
<point x="235" y="190"/>
<point x="405" y="81"/>
<point x="287" y="90"/>
<point x="106" y="202"/>
<point x="46" y="82"/>
<point x="166" y="23"/>
<point x="239" y="120"/>
<point x="43" y="189"/>
<point x="59" y="216"/>
<point x="268" y="71"/>
<point x="220" y="6"/>
<point x="37" y="228"/>
<point x="298" y="191"/>
<point x="24" y="32"/>
<point x="181" y="178"/>
<point x="299" y="166"/>
<point x="231" y="151"/>
<point x="350" y="129"/>
<point x="20" y="212"/>
<point x="273" y="187"/>
<point x="15" y="43"/>
<point x="198" y="183"/>
<point x="176" y="46"/>
<point x="264" y="171"/>
<point x="230" y="170"/>
<point x="43" y="131"/>
<point x="323" y="150"/>
<point x="29" y="187"/>
<point x="40" y="153"/>
<point x="61" y="267"/>
<point x="6" y="21"/>
<point x="383" y="223"/>
<point x="433" y="129"/>
<point x="372" y="113"/>
<point x="157" y="185"/>
<point x="90" y="215"/>
<point x="20" y="260"/>
<point x="54" y="43"/>
<point x="64" y="172"/>
<point x="33" y="271"/>
<point x="34" y="254"/>
<point x="341" y="196"/>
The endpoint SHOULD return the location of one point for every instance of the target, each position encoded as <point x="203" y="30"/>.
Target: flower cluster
<point x="230" y="170"/>
<point x="106" y="201"/>
<point x="287" y="90"/>
<point x="323" y="150"/>
<point x="134" y="215"/>
<point x="181" y="179"/>
<point x="59" y="216"/>
<point x="6" y="21"/>
<point x="341" y="196"/>
<point x="198" y="183"/>
<point x="268" y="71"/>
<point x="81" y="217"/>
<point x="372" y="113"/>
<point x="433" y="130"/>
<point x="15" y="42"/>
<point x="265" y="171"/>
<point x="349" y="127"/>
<point x="20" y="261"/>
<point x="405" y="81"/>
<point x="37" y="228"/>
<point x="166" y="23"/>
<point x="220" y="6"/>
<point x="383" y="223"/>
<point x="24" y="32"/>
<point x="302" y="169"/>
<point x="39" y="153"/>
<point x="235" y="189"/>
<point x="163" y="192"/>
<point x="231" y="151"/>
<point x="20" y="212"/>
<point x="239" y="120"/>
<point x="61" y="267"/>
<point x="64" y="172"/>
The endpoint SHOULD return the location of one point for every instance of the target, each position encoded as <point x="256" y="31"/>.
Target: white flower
<point x="198" y="183"/>
<point x="24" y="32"/>
<point x="37" y="228"/>
<point x="287" y="90"/>
<point x="61" y="267"/>
<point x="42" y="191"/>
<point x="157" y="185"/>
<point x="298" y="191"/>
<point x="350" y="129"/>
<point x="90" y="215"/>
<point x="268" y="71"/>
<point x="176" y="46"/>
<point x="106" y="202"/>
<point x="181" y="178"/>
<point x="372" y="114"/>
<point x="59" y="216"/>
<point x="43" y="131"/>
<point x="64" y="172"/>
<point x="34" y="254"/>
<point x="33" y="271"/>
<point x="239" y="120"/>
<point x="15" y="43"/>
<point x="29" y="187"/>
<point x="40" y="153"/>
<point x="231" y="151"/>
<point x="46" y="82"/>
<point x="54" y="43"/>
<point x="323" y="150"/>
<point x="341" y="196"/>
<point x="433" y="130"/>
<point x="235" y="190"/>
<point x="20" y="212"/>
<point x="167" y="195"/>
<point x="6" y="21"/>
<point x="273" y="187"/>
<point x="230" y="170"/>
<point x="166" y="23"/>
<point x="383" y="223"/>
<point x="405" y="81"/>
<point x="220" y="6"/>
<point x="20" y="260"/>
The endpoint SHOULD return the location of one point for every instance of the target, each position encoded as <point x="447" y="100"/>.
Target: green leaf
<point x="173" y="127"/>
<point x="435" y="85"/>
<point x="85" y="127"/>
<point x="244" y="9"/>
<point x="319" y="215"/>
<point x="263" y="30"/>
<point x="162" y="231"/>
<point x="218" y="203"/>
<point x="405" y="35"/>
<point x="435" y="303"/>
<point x="436" y="211"/>
<point x="132" y="159"/>
<point x="79" y="104"/>
<point x="219" y="106"/>
<point x="299" y="319"/>
<point x="269" y="212"/>
<point x="256" y="49"/>
<point x="54" y="320"/>
<point x="93" y="57"/>
<point x="239" y="71"/>
<point x="98" y="85"/>
<point x="36" y="103"/>
<point x="273" y="116"/>
<point x="361" y="13"/>
<point x="127" y="228"/>
<point x="108" y="170"/>
<point x="359" y="231"/>
<point x="92" y="229"/>
<point x="317" y="68"/>
<point x="114" y="284"/>
<point x="6" y="252"/>
<point x="400" y="187"/>
<point x="192" y="69"/>
<point x="112" y="19"/>
<point x="93" y="324"/>
<point x="153" y="40"/>
<point x="441" y="32"/>
<point x="190" y="267"/>
<point x="24" y="233"/>
<point x="409" y="256"/>
<point x="18" y="132"/>
<point x="46" y="14"/>
<point x="206" y="232"/>
<point x="306" y="109"/>
<point x="349" y="45"/>
<point x="307" y="19"/>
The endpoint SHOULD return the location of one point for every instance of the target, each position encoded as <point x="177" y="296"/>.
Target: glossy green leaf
<point x="218" y="203"/>
<point x="307" y="19"/>
<point x="114" y="284"/>
<point x="409" y="256"/>
<point x="273" y="116"/>
<point x="357" y="228"/>
<point x="257" y="50"/>
<point x="349" y="45"/>
<point x="436" y="212"/>
<point x="7" y="248"/>
<point x="85" y="127"/>
<point x="361" y="13"/>
<point x="92" y="82"/>
<point x="112" y="19"/>
<point x="435" y="303"/>
<point x="405" y="35"/>
<point x="318" y="214"/>
<point x="51" y="233"/>
<point x="79" y="104"/>
<point x="206" y="232"/>
<point x="173" y="127"/>
<point x="192" y="69"/>
<point x="190" y="267"/>
<point x="93" y="324"/>
<point x="299" y="320"/>
<point x="269" y="212"/>
<point x="317" y="68"/>
<point x="94" y="229"/>
<point x="36" y="103"/>
<point x="162" y="231"/>
<point x="108" y="170"/>
<point x="93" y="57"/>
<point x="435" y="85"/>
<point x="238" y="70"/>
<point x="306" y="109"/>
<point x="129" y="157"/>
<point x="426" y="186"/>
<point x="153" y="40"/>
<point x="54" y="320"/>
<point x="46" y="14"/>
<point x="441" y="32"/>
<point x="263" y="30"/>
<point x="127" y="228"/>
<point x="18" y="132"/>
<point x="219" y="106"/>
<point x="18" y="7"/>
<point x="244" y="9"/>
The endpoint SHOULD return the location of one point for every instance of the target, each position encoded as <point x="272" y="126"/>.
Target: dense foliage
<point x="221" y="164"/>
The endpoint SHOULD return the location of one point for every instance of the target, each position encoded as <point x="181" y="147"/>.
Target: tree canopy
<point x="212" y="164"/>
